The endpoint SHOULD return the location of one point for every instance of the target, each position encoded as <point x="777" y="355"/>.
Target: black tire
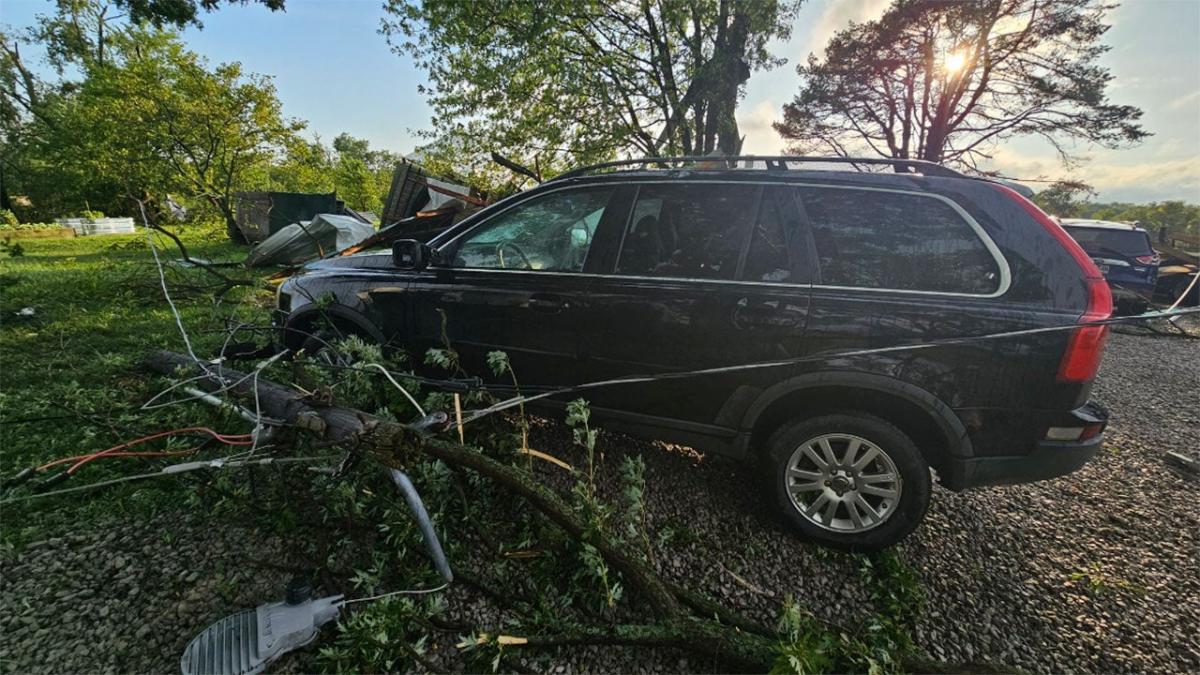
<point x="903" y="515"/>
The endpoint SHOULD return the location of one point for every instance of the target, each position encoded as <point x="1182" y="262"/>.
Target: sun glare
<point x="954" y="62"/>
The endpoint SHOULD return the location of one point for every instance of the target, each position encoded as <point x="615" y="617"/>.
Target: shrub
<point x="6" y="226"/>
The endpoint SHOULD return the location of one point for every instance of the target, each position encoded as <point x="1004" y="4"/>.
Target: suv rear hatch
<point x="1085" y="346"/>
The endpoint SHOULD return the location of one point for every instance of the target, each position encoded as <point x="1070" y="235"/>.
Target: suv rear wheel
<point x="848" y="480"/>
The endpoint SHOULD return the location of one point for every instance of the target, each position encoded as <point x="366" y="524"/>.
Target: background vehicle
<point x="619" y="270"/>
<point x="1180" y="253"/>
<point x="1125" y="257"/>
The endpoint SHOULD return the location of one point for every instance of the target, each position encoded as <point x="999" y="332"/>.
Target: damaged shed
<point x="261" y="214"/>
<point x="324" y="235"/>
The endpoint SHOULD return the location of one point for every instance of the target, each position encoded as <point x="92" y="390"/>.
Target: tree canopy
<point x="180" y="13"/>
<point x="947" y="81"/>
<point x="360" y="175"/>
<point x="562" y="82"/>
<point x="1073" y="199"/>
<point x="146" y="118"/>
<point x="134" y="115"/>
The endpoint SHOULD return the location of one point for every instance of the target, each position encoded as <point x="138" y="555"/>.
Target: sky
<point x="332" y="68"/>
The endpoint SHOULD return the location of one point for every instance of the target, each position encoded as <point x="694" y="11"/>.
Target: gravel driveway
<point x="1098" y="571"/>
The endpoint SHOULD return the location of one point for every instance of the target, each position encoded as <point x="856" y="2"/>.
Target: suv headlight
<point x="283" y="299"/>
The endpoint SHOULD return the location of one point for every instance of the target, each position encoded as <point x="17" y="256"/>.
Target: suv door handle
<point x="550" y="304"/>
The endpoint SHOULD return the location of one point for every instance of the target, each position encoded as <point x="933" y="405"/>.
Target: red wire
<point x="236" y="439"/>
<point x="64" y="460"/>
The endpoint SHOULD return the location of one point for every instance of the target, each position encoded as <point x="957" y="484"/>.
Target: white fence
<point x="86" y="226"/>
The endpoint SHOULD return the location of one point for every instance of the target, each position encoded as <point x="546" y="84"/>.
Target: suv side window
<point x="892" y="240"/>
<point x="549" y="233"/>
<point x="769" y="258"/>
<point x="689" y="231"/>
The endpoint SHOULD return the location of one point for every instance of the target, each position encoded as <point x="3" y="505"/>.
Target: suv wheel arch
<point x="299" y="325"/>
<point x="940" y="434"/>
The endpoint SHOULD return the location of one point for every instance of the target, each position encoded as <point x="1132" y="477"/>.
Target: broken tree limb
<point x="229" y="282"/>
<point x="703" y="606"/>
<point x="686" y="619"/>
<point x="396" y="445"/>
<point x="751" y="652"/>
<point x="515" y="167"/>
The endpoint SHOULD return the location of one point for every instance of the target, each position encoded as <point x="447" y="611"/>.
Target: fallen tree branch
<point x="515" y="167"/>
<point x="705" y="606"/>
<point x="397" y="445"/>
<point x="228" y="282"/>
<point x="751" y="652"/>
<point x="686" y="620"/>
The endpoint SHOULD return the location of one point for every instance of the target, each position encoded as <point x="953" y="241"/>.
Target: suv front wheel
<point x="848" y="480"/>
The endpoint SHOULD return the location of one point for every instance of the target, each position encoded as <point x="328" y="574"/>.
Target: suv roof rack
<point x="771" y="162"/>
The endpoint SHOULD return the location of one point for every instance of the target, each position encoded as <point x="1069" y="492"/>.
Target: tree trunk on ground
<point x="728" y="636"/>
<point x="687" y="620"/>
<point x="396" y="445"/>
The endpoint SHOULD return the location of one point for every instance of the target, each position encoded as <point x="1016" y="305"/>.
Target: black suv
<point x="625" y="269"/>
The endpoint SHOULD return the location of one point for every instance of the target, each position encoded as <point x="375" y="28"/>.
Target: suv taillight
<point x="1147" y="259"/>
<point x="1085" y="347"/>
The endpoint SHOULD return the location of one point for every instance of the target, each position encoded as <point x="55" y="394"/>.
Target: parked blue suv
<point x="1125" y="257"/>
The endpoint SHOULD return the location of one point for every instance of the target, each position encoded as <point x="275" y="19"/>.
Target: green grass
<point x="97" y="309"/>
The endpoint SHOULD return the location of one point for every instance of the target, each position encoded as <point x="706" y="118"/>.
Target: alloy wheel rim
<point x="843" y="483"/>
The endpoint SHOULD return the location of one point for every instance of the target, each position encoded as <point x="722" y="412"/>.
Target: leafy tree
<point x="216" y="129"/>
<point x="1073" y="199"/>
<point x="360" y="176"/>
<point x="946" y="81"/>
<point x="558" y="82"/>
<point x="148" y="119"/>
<point x="132" y="113"/>
<point x="306" y="166"/>
<point x="1064" y="198"/>
<point x="180" y="13"/>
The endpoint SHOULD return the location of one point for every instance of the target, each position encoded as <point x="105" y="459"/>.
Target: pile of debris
<point x="291" y="228"/>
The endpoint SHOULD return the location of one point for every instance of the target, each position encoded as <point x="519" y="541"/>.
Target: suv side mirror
<point x="410" y="254"/>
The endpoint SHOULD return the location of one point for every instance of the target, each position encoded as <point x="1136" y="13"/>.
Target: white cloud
<point x="1186" y="101"/>
<point x="1113" y="179"/>
<point x="837" y="15"/>
<point x="755" y="125"/>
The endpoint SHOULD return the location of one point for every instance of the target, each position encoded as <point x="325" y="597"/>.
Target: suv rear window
<point x="892" y="240"/>
<point x="1099" y="241"/>
<point x="687" y="231"/>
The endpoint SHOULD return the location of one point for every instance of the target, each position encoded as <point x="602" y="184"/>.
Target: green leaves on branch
<point x="556" y="83"/>
<point x="360" y="175"/>
<point x="148" y="118"/>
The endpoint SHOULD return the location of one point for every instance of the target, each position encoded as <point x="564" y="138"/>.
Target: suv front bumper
<point x="1046" y="459"/>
